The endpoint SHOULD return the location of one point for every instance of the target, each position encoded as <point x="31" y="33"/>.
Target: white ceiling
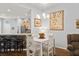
<point x="11" y="9"/>
<point x="40" y="6"/>
<point x="19" y="9"/>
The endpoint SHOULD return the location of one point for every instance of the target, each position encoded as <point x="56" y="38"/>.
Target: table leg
<point x="41" y="49"/>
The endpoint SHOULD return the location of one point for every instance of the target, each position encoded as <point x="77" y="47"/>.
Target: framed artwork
<point x="77" y="24"/>
<point x="37" y="22"/>
<point x="57" y="20"/>
<point x="26" y="26"/>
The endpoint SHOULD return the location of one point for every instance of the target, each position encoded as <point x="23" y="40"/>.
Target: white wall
<point x="34" y="12"/>
<point x="71" y="13"/>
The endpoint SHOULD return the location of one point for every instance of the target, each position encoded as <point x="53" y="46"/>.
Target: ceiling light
<point x="44" y="15"/>
<point x="9" y="10"/>
<point x="37" y="16"/>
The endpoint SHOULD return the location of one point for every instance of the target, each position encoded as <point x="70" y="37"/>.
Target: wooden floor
<point x="13" y="53"/>
<point x="57" y="52"/>
<point x="61" y="52"/>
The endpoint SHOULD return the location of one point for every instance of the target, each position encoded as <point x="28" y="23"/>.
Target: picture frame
<point x="77" y="24"/>
<point x="37" y="22"/>
<point x="57" y="20"/>
<point x="26" y="26"/>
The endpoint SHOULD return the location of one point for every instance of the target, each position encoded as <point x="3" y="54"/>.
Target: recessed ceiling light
<point x="44" y="15"/>
<point x="9" y="10"/>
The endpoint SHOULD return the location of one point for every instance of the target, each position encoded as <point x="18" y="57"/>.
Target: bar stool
<point x="15" y="46"/>
<point x="9" y="44"/>
<point x="1" y="45"/>
<point x="12" y="43"/>
<point x="5" y="45"/>
<point x="20" y="45"/>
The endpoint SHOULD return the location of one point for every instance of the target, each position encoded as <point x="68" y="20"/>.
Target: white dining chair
<point x="30" y="45"/>
<point x="51" y="45"/>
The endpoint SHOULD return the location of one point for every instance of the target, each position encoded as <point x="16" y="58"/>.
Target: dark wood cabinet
<point x="12" y="43"/>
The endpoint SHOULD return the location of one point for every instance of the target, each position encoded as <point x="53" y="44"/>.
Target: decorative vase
<point x="41" y="35"/>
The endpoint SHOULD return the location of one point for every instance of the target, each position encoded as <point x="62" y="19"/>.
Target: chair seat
<point x="76" y="52"/>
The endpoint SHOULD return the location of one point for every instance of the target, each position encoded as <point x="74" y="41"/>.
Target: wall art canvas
<point x="57" y="20"/>
<point x="77" y="24"/>
<point x="37" y="22"/>
<point x="26" y="26"/>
